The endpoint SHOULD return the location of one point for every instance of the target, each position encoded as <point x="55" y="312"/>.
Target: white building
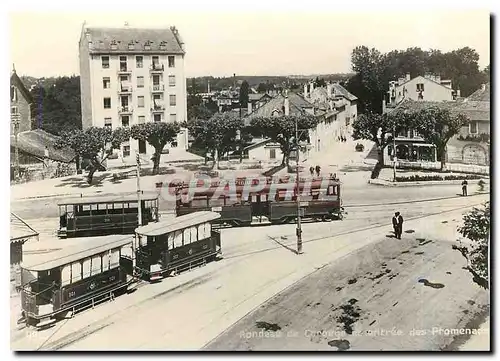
<point x="130" y="76"/>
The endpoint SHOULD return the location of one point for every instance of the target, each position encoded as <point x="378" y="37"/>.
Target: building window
<point x="138" y="61"/>
<point x="13" y="93"/>
<point x="114" y="45"/>
<point x="140" y="82"/>
<point x="126" y="151"/>
<point x="272" y="153"/>
<point x="171" y="61"/>
<point x="123" y="63"/>
<point x="108" y="123"/>
<point x="107" y="103"/>
<point x="142" y="119"/>
<point x="157" y="117"/>
<point x="163" y="45"/>
<point x="173" y="117"/>
<point x="147" y="46"/>
<point x="106" y="83"/>
<point x="125" y="121"/>
<point x="131" y="46"/>
<point x="105" y="62"/>
<point x="173" y="100"/>
<point x="13" y="110"/>
<point x="171" y="80"/>
<point x="473" y="127"/>
<point x="140" y="101"/>
<point x="420" y="87"/>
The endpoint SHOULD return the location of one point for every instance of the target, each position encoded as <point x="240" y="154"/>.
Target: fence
<point x="449" y="167"/>
<point x="40" y="171"/>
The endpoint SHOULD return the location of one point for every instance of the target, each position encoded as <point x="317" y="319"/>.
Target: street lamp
<point x="297" y="152"/>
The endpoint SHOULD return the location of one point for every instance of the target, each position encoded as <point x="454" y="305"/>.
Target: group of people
<point x="316" y="169"/>
<point x="342" y="139"/>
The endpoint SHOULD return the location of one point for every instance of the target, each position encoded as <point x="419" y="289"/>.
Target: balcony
<point x="158" y="88"/>
<point x="158" y="108"/>
<point x="123" y="70"/>
<point x="126" y="109"/>
<point x="156" y="67"/>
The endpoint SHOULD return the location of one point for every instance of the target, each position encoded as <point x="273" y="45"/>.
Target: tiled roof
<point x="164" y="40"/>
<point x="481" y="94"/>
<point x="258" y="96"/>
<point x="34" y="142"/>
<point x="340" y="89"/>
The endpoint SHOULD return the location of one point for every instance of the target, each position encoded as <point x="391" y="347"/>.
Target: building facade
<point x="21" y="103"/>
<point x="131" y="76"/>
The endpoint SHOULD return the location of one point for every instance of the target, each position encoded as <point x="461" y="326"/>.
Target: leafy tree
<point x="244" y="88"/>
<point x="57" y="104"/>
<point x="216" y="135"/>
<point x="157" y="134"/>
<point x="379" y="129"/>
<point x="438" y="125"/>
<point x="197" y="109"/>
<point x="94" y="145"/>
<point x="282" y="130"/>
<point x="476" y="227"/>
<point x="319" y="82"/>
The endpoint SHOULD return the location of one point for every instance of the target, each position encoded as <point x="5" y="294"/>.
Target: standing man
<point x="397" y="224"/>
<point x="464" y="188"/>
<point x="318" y="170"/>
<point x="311" y="170"/>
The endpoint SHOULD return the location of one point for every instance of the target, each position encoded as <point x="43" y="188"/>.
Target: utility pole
<point x="394" y="149"/>
<point x="299" y="228"/>
<point x="15" y="120"/>
<point x="139" y="214"/>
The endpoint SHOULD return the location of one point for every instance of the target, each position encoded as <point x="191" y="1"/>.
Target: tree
<point x="438" y="125"/>
<point x="216" y="135"/>
<point x="157" y="134"/>
<point x="379" y="129"/>
<point x="282" y="130"/>
<point x="476" y="227"/>
<point x="244" y="88"/>
<point x="319" y="82"/>
<point x="94" y="145"/>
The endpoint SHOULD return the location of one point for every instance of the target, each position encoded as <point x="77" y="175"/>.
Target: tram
<point x="320" y="199"/>
<point x="74" y="277"/>
<point x="99" y="216"/>
<point x="169" y="247"/>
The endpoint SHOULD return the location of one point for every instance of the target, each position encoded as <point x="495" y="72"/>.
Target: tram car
<point x="320" y="199"/>
<point x="99" y="216"/>
<point x="77" y="276"/>
<point x="169" y="247"/>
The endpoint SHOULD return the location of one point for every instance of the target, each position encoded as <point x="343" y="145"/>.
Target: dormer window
<point x="147" y="45"/>
<point x="163" y="45"/>
<point x="131" y="45"/>
<point x="114" y="45"/>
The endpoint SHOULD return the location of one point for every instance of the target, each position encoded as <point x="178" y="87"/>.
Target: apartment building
<point x="131" y="76"/>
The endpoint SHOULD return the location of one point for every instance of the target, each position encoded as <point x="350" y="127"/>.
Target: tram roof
<point x="149" y="196"/>
<point x="181" y="222"/>
<point x="77" y="249"/>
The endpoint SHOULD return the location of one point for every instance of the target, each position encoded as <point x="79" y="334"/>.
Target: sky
<point x="220" y="42"/>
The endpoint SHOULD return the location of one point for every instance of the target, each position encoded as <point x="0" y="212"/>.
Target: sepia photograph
<point x="286" y="178"/>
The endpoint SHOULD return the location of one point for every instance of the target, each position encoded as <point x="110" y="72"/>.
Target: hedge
<point x="418" y="178"/>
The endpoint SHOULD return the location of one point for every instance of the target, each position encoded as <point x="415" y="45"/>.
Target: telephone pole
<point x="139" y="214"/>
<point x="299" y="228"/>
<point x="15" y="120"/>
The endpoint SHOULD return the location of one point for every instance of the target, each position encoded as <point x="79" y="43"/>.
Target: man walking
<point x="318" y="170"/>
<point x="397" y="224"/>
<point x="311" y="170"/>
<point x="464" y="188"/>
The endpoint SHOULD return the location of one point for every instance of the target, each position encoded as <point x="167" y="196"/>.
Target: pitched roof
<point x="102" y="38"/>
<point x="481" y="94"/>
<point x="34" y="142"/>
<point x="18" y="83"/>
<point x="258" y="96"/>
<point x="475" y="110"/>
<point x="339" y="88"/>
<point x="429" y="79"/>
<point x="20" y="230"/>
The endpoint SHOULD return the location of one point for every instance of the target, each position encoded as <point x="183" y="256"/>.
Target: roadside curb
<point x="381" y="182"/>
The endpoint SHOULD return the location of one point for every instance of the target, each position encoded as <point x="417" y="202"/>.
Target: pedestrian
<point x="318" y="170"/>
<point x="311" y="170"/>
<point x="397" y="224"/>
<point x="464" y="188"/>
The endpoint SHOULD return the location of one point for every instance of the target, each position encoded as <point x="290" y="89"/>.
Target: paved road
<point x="188" y="311"/>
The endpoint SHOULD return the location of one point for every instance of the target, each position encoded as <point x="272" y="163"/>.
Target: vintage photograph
<point x="250" y="180"/>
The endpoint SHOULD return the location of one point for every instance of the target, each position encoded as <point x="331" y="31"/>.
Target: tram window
<point x="194" y="234"/>
<point x="142" y="241"/>
<point x="66" y="275"/>
<point x="86" y="208"/>
<point x="126" y="251"/>
<point x="178" y="239"/>
<point x="96" y="265"/>
<point x="187" y="236"/>
<point x="115" y="258"/>
<point x="86" y="268"/>
<point x="133" y="205"/>
<point x="105" y="261"/>
<point x="201" y="232"/>
<point x="76" y="272"/>
<point x="199" y="202"/>
<point x="208" y="227"/>
<point x="171" y="240"/>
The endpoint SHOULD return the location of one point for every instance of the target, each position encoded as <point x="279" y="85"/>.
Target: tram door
<point x="260" y="205"/>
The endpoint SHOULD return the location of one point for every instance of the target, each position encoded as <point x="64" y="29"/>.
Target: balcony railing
<point x="158" y="88"/>
<point x="158" y="108"/>
<point x="126" y="109"/>
<point x="156" y="67"/>
<point x="125" y="90"/>
<point x="124" y="70"/>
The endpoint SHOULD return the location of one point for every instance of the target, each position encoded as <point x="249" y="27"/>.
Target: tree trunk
<point x="216" y="160"/>
<point x="156" y="162"/>
<point x="90" y="176"/>
<point x="442" y="158"/>
<point x="380" y="156"/>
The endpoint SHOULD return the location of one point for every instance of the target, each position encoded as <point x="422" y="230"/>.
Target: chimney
<point x="312" y="87"/>
<point x="287" y="104"/>
<point x="249" y="107"/>
<point x="305" y="90"/>
<point x="408" y="78"/>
